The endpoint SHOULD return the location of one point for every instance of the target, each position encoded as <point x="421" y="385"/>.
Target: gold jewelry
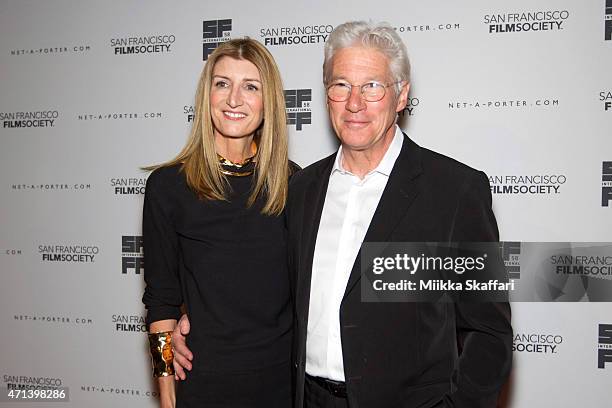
<point x="160" y="346"/>
<point x="229" y="168"/>
<point x="237" y="174"/>
<point x="227" y="162"/>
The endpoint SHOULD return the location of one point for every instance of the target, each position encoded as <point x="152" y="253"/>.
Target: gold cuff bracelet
<point x="160" y="345"/>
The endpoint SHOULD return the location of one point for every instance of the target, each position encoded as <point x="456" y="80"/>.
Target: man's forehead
<point x="363" y="62"/>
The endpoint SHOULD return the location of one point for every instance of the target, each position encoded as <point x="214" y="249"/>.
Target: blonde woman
<point x="214" y="237"/>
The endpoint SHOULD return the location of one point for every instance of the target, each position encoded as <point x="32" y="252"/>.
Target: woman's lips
<point x="234" y="115"/>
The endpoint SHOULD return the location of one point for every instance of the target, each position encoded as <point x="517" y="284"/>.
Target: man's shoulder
<point x="444" y="170"/>
<point x="312" y="171"/>
<point x="440" y="163"/>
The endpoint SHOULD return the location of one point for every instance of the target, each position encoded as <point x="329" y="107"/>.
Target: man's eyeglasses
<point x="371" y="91"/>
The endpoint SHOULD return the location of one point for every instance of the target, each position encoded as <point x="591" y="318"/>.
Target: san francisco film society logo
<point x="537" y="184"/>
<point x="30" y="119"/>
<point x="297" y="103"/>
<point x="606" y="98"/>
<point x="411" y="106"/>
<point x="132" y="257"/>
<point x="585" y="265"/>
<point x="214" y="32"/>
<point x="128" y="186"/>
<point x="606" y="183"/>
<point x="148" y="44"/>
<point x="295" y="35"/>
<point x="129" y="323"/>
<point x="608" y="27"/>
<point x="188" y="111"/>
<point x="27" y="382"/>
<point x="68" y="253"/>
<point x="549" y="20"/>
<point x="604" y="351"/>
<point x="511" y="252"/>
<point x="541" y="343"/>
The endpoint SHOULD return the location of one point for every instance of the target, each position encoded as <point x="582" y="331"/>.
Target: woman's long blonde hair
<point x="198" y="159"/>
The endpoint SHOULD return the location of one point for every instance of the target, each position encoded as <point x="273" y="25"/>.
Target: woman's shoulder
<point x="166" y="177"/>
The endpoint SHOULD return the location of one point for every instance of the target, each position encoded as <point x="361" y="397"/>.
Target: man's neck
<point x="361" y="162"/>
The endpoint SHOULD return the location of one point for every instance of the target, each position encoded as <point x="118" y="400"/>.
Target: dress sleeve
<point x="162" y="295"/>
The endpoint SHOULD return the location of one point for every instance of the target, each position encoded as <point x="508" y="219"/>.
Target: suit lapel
<point x="399" y="193"/>
<point x="315" y="195"/>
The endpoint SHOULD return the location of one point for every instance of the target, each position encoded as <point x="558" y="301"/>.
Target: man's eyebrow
<point x="372" y="79"/>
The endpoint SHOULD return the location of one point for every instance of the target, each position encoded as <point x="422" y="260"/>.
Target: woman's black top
<point x="227" y="263"/>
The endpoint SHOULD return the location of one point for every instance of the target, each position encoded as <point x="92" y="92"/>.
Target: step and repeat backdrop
<point x="90" y="91"/>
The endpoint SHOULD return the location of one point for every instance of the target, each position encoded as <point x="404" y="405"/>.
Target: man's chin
<point x="361" y="140"/>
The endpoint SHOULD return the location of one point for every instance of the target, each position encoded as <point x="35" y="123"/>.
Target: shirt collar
<point x="386" y="164"/>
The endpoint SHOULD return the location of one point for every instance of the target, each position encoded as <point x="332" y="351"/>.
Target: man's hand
<point x="182" y="355"/>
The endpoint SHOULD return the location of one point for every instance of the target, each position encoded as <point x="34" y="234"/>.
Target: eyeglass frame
<point x="361" y="90"/>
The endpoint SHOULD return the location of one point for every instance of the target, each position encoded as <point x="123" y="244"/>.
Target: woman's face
<point x="236" y="98"/>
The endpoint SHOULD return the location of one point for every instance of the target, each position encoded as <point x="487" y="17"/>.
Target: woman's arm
<point x="162" y="296"/>
<point x="167" y="395"/>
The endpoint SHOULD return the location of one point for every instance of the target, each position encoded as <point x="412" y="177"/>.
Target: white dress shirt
<point x="349" y="205"/>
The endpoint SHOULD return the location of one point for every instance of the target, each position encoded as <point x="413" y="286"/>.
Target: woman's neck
<point x="235" y="150"/>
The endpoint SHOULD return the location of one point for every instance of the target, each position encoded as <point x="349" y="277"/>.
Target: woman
<point x="214" y="239"/>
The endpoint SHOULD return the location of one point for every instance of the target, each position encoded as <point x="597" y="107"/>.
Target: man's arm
<point x="182" y="355"/>
<point x="484" y="330"/>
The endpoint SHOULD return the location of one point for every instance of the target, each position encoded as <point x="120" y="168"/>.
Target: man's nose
<point x="355" y="101"/>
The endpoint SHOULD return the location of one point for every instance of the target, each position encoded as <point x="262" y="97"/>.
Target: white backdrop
<point x="80" y="114"/>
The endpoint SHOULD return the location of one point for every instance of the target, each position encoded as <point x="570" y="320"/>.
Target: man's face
<point x="362" y="125"/>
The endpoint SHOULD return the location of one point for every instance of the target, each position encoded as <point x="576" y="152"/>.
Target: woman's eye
<point x="221" y="84"/>
<point x="251" y="87"/>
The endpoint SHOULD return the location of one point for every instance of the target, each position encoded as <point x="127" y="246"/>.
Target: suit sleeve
<point x="162" y="295"/>
<point x="484" y="330"/>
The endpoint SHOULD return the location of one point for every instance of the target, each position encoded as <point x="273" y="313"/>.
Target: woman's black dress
<point x="228" y="264"/>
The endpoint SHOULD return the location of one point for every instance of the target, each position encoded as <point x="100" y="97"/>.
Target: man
<point x="382" y="187"/>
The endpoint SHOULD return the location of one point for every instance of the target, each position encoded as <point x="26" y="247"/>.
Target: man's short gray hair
<point x="379" y="36"/>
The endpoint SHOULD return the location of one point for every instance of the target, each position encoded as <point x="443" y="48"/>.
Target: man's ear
<point x="402" y="100"/>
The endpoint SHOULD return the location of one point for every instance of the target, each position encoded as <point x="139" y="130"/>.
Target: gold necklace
<point x="229" y="168"/>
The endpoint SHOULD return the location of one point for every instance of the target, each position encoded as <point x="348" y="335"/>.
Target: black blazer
<point x="407" y="354"/>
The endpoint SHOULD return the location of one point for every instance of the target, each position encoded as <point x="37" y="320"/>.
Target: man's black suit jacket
<point x="407" y="354"/>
